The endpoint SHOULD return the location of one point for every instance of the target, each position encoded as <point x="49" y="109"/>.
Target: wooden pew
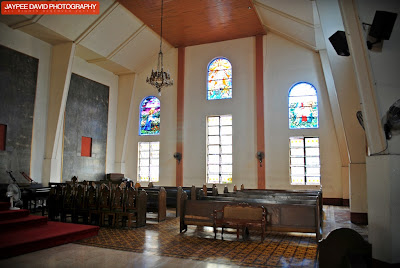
<point x="291" y="215"/>
<point x="134" y="208"/>
<point x="174" y="194"/>
<point x="54" y="203"/>
<point x="240" y="216"/>
<point x="282" y="195"/>
<point x="157" y="202"/>
<point x="210" y="191"/>
<point x="95" y="200"/>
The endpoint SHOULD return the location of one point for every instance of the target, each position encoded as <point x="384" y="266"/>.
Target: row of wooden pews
<point x="97" y="204"/>
<point x="173" y="197"/>
<point x="287" y="210"/>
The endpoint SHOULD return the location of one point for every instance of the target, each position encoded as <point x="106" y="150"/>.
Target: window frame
<point x="150" y="166"/>
<point x="208" y="78"/>
<point x="305" y="165"/>
<point x="140" y="116"/>
<point x="304" y="96"/>
<point x="228" y="176"/>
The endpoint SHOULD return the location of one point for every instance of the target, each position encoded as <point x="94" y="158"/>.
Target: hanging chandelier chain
<point x="160" y="54"/>
<point x="162" y="9"/>
<point x="160" y="79"/>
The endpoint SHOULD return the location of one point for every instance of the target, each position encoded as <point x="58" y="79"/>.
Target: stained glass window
<point x="219" y="149"/>
<point x="304" y="161"/>
<point x="149" y="123"/>
<point x="303" y="106"/>
<point x="219" y="83"/>
<point x="148" y="161"/>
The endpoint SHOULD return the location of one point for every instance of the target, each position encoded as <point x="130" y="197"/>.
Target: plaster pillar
<point x="61" y="69"/>
<point x="358" y="193"/>
<point x="383" y="173"/>
<point x="126" y="86"/>
<point x="342" y="78"/>
<point x="345" y="186"/>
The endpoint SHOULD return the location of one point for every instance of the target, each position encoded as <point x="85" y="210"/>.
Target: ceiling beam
<point x="283" y="14"/>
<point x="97" y="22"/>
<point x="291" y="38"/>
<point x="26" y="22"/>
<point x="127" y="41"/>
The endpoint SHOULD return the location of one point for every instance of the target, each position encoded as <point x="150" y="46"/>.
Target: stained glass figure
<point x="219" y="85"/>
<point x="303" y="106"/>
<point x="149" y="123"/>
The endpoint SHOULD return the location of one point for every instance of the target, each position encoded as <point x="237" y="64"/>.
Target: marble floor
<point x="74" y="255"/>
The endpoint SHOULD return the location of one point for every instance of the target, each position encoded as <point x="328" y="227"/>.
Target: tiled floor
<point x="74" y="255"/>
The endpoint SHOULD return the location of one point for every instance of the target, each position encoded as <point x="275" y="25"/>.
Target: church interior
<point x="291" y="96"/>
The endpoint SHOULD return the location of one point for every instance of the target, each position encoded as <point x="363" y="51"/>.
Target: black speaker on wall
<point x="382" y="25"/>
<point x="339" y="43"/>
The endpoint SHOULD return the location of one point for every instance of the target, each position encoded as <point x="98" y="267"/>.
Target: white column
<point x="61" y="68"/>
<point x="126" y="85"/>
<point x="383" y="173"/>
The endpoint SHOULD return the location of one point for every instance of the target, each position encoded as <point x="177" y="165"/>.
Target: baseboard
<point x="359" y="218"/>
<point x="333" y="201"/>
<point x="346" y="202"/>
<point x="382" y="264"/>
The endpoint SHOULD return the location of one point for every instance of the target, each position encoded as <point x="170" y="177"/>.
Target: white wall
<point x="241" y="54"/>
<point x="167" y="137"/>
<point x="36" y="48"/>
<point x="286" y="64"/>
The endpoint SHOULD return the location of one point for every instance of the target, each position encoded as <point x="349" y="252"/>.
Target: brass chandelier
<point x="160" y="79"/>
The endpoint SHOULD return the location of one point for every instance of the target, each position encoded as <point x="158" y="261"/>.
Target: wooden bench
<point x="97" y="203"/>
<point x="288" y="193"/>
<point x="282" y="195"/>
<point x="173" y="193"/>
<point x="174" y="196"/>
<point x="240" y="216"/>
<point x="157" y="202"/>
<point x="290" y="215"/>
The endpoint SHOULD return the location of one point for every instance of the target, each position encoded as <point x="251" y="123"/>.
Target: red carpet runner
<point x="22" y="233"/>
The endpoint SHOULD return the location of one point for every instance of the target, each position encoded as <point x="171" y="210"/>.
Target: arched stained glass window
<point x="149" y="121"/>
<point x="219" y="83"/>
<point x="303" y="106"/>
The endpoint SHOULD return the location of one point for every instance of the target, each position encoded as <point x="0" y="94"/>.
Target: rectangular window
<point x="3" y="136"/>
<point x="148" y="161"/>
<point x="219" y="149"/>
<point x="86" y="147"/>
<point x="304" y="161"/>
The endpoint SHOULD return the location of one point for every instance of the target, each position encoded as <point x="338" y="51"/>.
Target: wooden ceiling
<point x="194" y="22"/>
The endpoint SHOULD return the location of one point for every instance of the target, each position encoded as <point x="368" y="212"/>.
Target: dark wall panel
<point x="86" y="115"/>
<point x="18" y="77"/>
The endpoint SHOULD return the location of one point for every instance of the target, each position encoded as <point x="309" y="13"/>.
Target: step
<point x="44" y="236"/>
<point x="23" y="222"/>
<point x="13" y="214"/>
<point x="4" y="205"/>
